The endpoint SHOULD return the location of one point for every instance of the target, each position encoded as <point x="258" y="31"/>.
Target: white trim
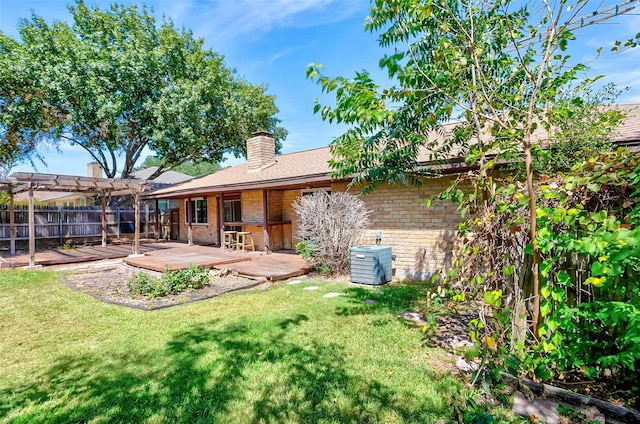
<point x="186" y="210"/>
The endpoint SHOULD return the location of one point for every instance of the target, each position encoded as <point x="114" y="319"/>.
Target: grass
<point x="277" y="355"/>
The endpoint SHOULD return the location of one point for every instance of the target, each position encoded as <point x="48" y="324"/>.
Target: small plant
<point x="306" y="249"/>
<point x="68" y="246"/>
<point x="143" y="284"/>
<point x="172" y="282"/>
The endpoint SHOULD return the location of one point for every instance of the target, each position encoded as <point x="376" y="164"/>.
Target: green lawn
<point x="277" y="355"/>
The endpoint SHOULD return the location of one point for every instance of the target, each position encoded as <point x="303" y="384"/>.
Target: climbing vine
<point x="589" y="241"/>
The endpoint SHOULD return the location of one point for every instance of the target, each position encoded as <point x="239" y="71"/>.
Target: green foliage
<point x="488" y="71"/>
<point x="486" y="66"/>
<point x="306" y="249"/>
<point x="143" y="284"/>
<point x="310" y="252"/>
<point x="591" y="314"/>
<point x="116" y="82"/>
<point x="195" y="169"/>
<point x="581" y="122"/>
<point x="172" y="282"/>
<point x="26" y="119"/>
<point x="589" y="239"/>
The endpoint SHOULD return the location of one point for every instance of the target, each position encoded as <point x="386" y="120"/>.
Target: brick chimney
<point x="94" y="170"/>
<point x="261" y="151"/>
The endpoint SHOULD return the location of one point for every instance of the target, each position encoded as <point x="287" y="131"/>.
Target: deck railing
<point x="62" y="223"/>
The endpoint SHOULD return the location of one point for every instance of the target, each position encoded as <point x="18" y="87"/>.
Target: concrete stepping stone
<point x="331" y="294"/>
<point x="311" y="288"/>
<point x="543" y="410"/>
<point x="369" y="302"/>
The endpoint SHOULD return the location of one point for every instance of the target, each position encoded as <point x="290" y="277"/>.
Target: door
<point x="175" y="224"/>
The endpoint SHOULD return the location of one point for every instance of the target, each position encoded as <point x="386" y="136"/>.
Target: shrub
<point x="329" y="225"/>
<point x="172" y="282"/>
<point x="143" y="284"/>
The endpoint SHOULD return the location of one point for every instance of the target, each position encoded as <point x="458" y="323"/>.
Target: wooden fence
<point x="64" y="223"/>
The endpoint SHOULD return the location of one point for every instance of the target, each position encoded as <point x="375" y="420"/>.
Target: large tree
<point x="496" y="68"/>
<point x="25" y="116"/>
<point x="193" y="168"/>
<point x="116" y="82"/>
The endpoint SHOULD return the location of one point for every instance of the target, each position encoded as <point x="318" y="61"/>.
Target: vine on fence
<point x="589" y="239"/>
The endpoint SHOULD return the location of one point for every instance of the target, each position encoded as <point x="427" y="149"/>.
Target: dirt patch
<point x="108" y="283"/>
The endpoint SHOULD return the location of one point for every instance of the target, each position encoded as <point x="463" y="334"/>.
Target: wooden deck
<point x="158" y="255"/>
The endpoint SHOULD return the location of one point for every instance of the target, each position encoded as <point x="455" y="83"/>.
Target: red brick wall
<point x="202" y="233"/>
<point x="252" y="210"/>
<point x="420" y="237"/>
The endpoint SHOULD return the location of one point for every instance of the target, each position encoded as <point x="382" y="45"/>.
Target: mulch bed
<point x="108" y="283"/>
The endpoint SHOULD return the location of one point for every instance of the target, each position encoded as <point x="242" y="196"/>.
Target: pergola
<point x="24" y="181"/>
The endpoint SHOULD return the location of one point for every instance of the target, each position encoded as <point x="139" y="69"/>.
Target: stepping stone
<point x="464" y="366"/>
<point x="332" y="294"/>
<point x="311" y="288"/>
<point x="294" y="282"/>
<point x="543" y="410"/>
<point x="370" y="302"/>
<point x="413" y="316"/>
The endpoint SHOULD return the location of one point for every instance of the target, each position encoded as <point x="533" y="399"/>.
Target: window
<point x="309" y="192"/>
<point x="198" y="211"/>
<point x="232" y="211"/>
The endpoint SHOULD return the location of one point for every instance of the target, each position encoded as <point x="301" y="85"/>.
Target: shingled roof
<point x="312" y="166"/>
<point x="298" y="168"/>
<point x="166" y="178"/>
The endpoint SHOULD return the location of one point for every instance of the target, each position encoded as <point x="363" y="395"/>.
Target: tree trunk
<point x="535" y="267"/>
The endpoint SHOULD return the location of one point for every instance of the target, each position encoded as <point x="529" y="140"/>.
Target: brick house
<point x="257" y="196"/>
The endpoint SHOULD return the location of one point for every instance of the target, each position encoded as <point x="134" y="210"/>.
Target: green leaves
<point x="493" y="298"/>
<point x="115" y="82"/>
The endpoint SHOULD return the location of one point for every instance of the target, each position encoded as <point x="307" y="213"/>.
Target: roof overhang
<point x="280" y="183"/>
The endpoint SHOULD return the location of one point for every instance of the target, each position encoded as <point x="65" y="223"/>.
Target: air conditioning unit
<point x="371" y="264"/>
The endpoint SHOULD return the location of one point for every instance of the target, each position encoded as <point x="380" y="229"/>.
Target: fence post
<point x="60" y="225"/>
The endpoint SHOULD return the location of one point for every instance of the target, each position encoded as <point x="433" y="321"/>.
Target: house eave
<point x="281" y="183"/>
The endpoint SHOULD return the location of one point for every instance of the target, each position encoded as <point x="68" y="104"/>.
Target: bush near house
<point x="329" y="225"/>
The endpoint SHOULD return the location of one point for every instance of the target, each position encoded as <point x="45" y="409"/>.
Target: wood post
<point x="221" y="219"/>
<point x="265" y="219"/>
<point x="189" y="223"/>
<point x="32" y="229"/>
<point x="12" y="226"/>
<point x="157" y="218"/>
<point x="136" y="220"/>
<point x="104" y="220"/>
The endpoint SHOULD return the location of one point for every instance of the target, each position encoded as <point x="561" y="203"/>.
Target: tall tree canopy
<point x="493" y="67"/>
<point x="115" y="82"/>
<point x="498" y="68"/>
<point x="193" y="168"/>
